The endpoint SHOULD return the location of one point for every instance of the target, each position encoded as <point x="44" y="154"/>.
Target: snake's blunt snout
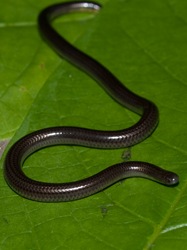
<point x="172" y="179"/>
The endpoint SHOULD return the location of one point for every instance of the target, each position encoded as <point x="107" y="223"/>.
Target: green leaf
<point x="144" y="44"/>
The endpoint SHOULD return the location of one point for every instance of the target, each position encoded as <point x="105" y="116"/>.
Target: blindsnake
<point x="54" y="192"/>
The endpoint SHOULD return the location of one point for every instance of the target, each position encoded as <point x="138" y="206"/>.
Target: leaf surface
<point x="144" y="44"/>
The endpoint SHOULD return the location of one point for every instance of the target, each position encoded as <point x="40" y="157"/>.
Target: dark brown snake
<point x="53" y="192"/>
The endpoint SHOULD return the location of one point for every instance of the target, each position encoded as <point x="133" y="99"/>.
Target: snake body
<point x="54" y="192"/>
